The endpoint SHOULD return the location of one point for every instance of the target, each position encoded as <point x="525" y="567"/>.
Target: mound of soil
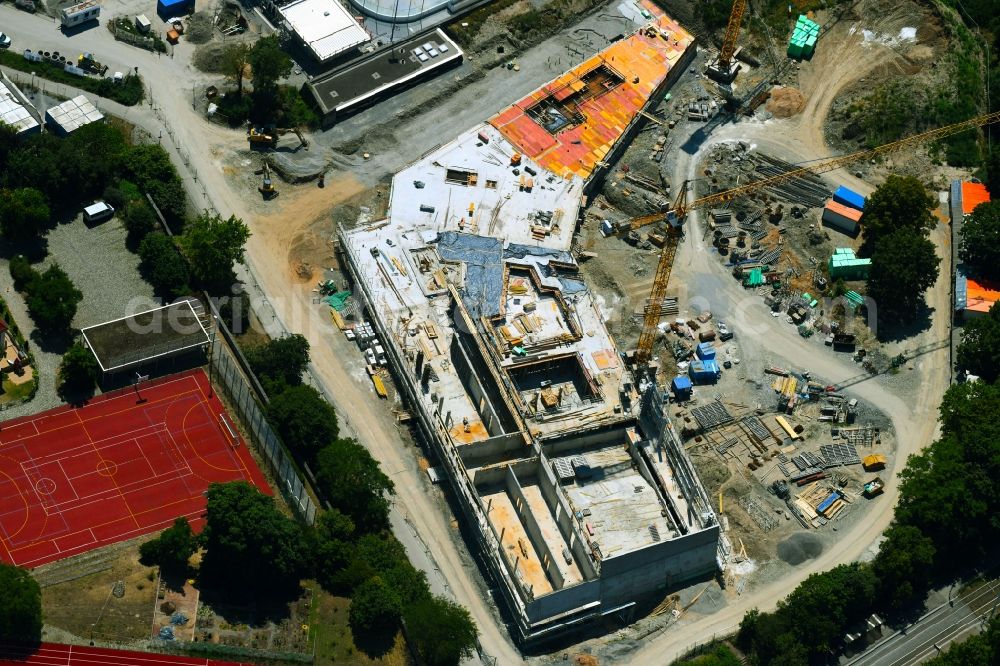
<point x="799" y="547"/>
<point x="785" y="102"/>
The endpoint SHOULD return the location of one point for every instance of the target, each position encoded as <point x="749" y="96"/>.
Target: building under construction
<point x="576" y="489"/>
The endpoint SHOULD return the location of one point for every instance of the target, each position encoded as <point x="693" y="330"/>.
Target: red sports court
<point x="126" y="464"/>
<point x="50" y="654"/>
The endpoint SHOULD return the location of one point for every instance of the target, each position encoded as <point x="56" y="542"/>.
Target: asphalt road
<point x="932" y="633"/>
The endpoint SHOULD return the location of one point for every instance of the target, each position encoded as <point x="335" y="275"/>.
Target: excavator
<point x="268" y="138"/>
<point x="675" y="217"/>
<point x="267" y="186"/>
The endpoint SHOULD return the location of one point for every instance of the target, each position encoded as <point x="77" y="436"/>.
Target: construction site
<point x="575" y="483"/>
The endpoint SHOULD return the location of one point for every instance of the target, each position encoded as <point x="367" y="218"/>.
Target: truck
<point x="88" y="63"/>
<point x="80" y="13"/>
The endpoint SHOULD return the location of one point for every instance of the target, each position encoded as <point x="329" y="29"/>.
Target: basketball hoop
<point x="139" y="379"/>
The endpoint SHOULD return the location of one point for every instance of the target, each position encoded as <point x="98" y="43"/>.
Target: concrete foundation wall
<point x="549" y="486"/>
<point x="585" y="440"/>
<point x="534" y="530"/>
<point x="659" y="566"/>
<point x="494" y="449"/>
<point x="483" y="400"/>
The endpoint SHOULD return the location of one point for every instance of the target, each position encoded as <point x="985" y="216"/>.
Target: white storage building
<point x="71" y="115"/>
<point x="13" y="111"/>
<point x="325" y="27"/>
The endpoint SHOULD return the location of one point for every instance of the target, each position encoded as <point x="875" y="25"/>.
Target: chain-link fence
<point x="227" y="374"/>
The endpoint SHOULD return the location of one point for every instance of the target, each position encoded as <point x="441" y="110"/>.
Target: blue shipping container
<point x="705" y="351"/>
<point x="681" y="385"/>
<point x="847" y="197"/>
<point x="704" y="371"/>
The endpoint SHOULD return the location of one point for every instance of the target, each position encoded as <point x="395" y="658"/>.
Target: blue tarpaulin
<point x="172" y="8"/>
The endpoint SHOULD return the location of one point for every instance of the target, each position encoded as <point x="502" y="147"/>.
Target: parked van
<point x="98" y="212"/>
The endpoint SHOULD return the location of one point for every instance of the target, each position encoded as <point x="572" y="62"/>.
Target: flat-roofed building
<point x="325" y="27"/>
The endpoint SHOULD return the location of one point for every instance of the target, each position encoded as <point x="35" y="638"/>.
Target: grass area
<point x="334" y="642"/>
<point x="85" y="606"/>
<point x="19" y="392"/>
<point x="129" y="93"/>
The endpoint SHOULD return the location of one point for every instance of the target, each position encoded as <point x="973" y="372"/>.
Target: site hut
<point x="153" y="343"/>
<point x="388" y="71"/>
<point x="578" y="497"/>
<point x="325" y="28"/>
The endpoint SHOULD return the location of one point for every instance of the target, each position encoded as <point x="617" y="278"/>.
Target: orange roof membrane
<point x="846" y="211"/>
<point x="591" y="105"/>
<point x="973" y="194"/>
<point x="981" y="294"/>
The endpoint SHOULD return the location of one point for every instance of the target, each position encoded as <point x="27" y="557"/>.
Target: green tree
<point x="375" y="609"/>
<point x="21" y="272"/>
<point x="77" y="374"/>
<point x="139" y="222"/>
<point x="982" y="649"/>
<point x="904" y="266"/>
<point x="213" y="245"/>
<point x="900" y="203"/>
<point x="304" y="420"/>
<point x="980" y="243"/>
<point x="162" y="266"/>
<point x="172" y="549"/>
<point x="52" y="300"/>
<point x="444" y="633"/>
<point x="252" y="549"/>
<point x="20" y="606"/>
<point x="150" y="168"/>
<point x="268" y="62"/>
<point x="979" y="351"/>
<point x="235" y="58"/>
<point x="332" y="548"/>
<point x="903" y="567"/>
<point x="280" y="361"/>
<point x="353" y="482"/>
<point x="24" y="213"/>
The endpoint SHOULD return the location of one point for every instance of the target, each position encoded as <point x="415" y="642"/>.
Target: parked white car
<point x="4" y="41"/>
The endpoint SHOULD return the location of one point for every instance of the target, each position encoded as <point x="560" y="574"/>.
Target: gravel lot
<point x="100" y="265"/>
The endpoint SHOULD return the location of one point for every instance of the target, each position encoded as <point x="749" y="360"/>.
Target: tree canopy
<point x="280" y="361"/>
<point x="268" y="62"/>
<point x="235" y="58"/>
<point x="900" y="203"/>
<point x="904" y="266"/>
<point x="443" y="633"/>
<point x="980" y="244"/>
<point x="52" y="300"/>
<point x="24" y="214"/>
<point x="903" y="566"/>
<point x="20" y="606"/>
<point x="213" y="245"/>
<point x="251" y="547"/>
<point x="162" y="266"/>
<point x="979" y="351"/>
<point x="353" y="482"/>
<point x="303" y="419"/>
<point x="375" y="609"/>
<point x="172" y="549"/>
<point x="77" y="374"/>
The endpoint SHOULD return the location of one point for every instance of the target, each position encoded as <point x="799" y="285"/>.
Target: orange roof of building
<point x="981" y="294"/>
<point x="606" y="92"/>
<point x="973" y="194"/>
<point x="846" y="211"/>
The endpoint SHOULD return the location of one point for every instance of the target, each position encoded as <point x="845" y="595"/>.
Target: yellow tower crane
<point x="681" y="206"/>
<point x="724" y="69"/>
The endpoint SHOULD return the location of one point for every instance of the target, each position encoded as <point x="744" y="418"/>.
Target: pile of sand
<point x="785" y="102"/>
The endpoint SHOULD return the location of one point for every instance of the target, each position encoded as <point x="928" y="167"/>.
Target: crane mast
<point x="681" y="206"/>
